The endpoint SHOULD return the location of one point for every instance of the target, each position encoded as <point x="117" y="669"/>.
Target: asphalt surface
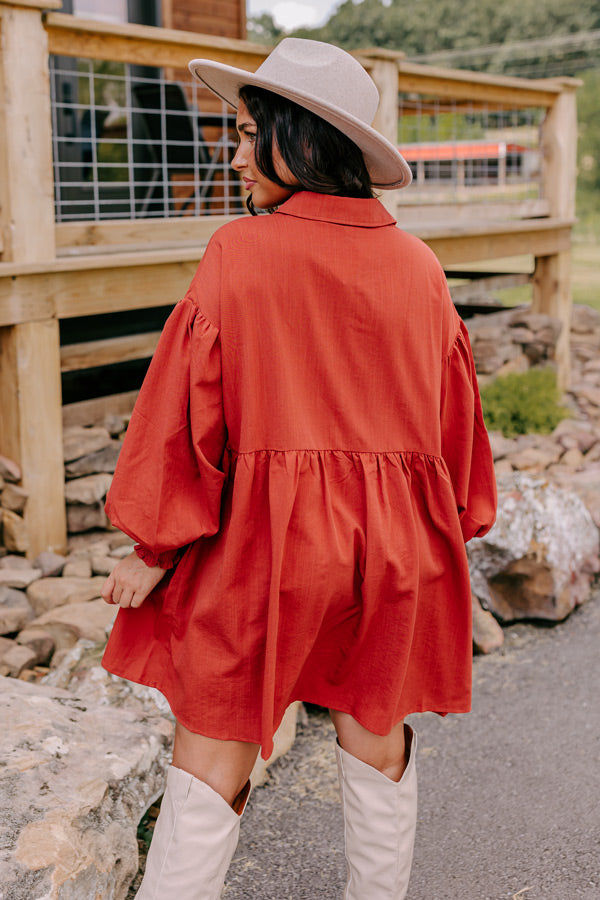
<point x="509" y="794"/>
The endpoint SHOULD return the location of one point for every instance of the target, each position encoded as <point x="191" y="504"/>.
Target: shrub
<point x="523" y="402"/>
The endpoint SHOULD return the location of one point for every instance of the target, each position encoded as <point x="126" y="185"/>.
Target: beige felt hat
<point x="325" y="80"/>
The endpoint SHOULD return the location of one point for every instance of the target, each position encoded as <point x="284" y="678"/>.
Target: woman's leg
<point x="379" y="796"/>
<point x="225" y="766"/>
<point x="386" y="753"/>
<point x="197" y="830"/>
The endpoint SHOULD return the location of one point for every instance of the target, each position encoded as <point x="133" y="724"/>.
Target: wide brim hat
<point x="325" y="80"/>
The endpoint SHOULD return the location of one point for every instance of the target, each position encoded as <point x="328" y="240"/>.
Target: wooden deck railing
<point x="51" y="272"/>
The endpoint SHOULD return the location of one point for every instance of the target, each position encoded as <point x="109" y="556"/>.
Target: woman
<point x="304" y="463"/>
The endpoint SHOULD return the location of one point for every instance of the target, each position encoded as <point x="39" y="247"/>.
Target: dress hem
<point x="267" y="749"/>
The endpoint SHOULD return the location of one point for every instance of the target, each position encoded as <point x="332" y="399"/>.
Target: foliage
<point x="523" y="402"/>
<point x="263" y="30"/>
<point x="427" y="26"/>
<point x="588" y="113"/>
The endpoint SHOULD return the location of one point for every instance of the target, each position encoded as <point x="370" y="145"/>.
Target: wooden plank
<point x="112" y="234"/>
<point x="94" y="412"/>
<point x="459" y="85"/>
<point x="107" y="351"/>
<point x="26" y="177"/>
<point x="31" y="427"/>
<point x="426" y="215"/>
<point x="94" y="291"/>
<point x="552" y="295"/>
<point x="559" y="154"/>
<point x="486" y="284"/>
<point x="33" y="4"/>
<point x="96" y="284"/>
<point x="127" y="259"/>
<point x="144" y="44"/>
<point x="384" y="74"/>
<point x="536" y="238"/>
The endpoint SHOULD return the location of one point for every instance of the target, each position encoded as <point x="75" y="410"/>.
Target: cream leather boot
<point x="194" y="840"/>
<point x="380" y="817"/>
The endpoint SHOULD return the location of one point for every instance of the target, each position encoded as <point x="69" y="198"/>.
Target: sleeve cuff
<point x="165" y="560"/>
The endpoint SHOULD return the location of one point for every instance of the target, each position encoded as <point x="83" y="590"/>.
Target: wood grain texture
<point x="108" y="351"/>
<point x="31" y="426"/>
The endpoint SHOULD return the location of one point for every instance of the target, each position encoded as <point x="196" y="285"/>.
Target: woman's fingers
<point x="130" y="582"/>
<point x="108" y="588"/>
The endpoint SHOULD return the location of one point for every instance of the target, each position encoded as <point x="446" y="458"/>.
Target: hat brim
<point x="385" y="164"/>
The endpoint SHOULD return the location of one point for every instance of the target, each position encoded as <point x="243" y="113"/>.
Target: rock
<point x="487" y="633"/>
<point x="500" y="445"/>
<point x="89" y="490"/>
<point x="534" y="458"/>
<point x="80" y="441"/>
<point x="11" y="561"/>
<point x="519" y="363"/>
<point x="584" y="318"/>
<point x="78" y="567"/>
<point x="593" y="454"/>
<point x="48" y="593"/>
<point x="5" y="646"/>
<point x="50" y="564"/>
<point x="571" y="434"/>
<point x="114" y="424"/>
<point x="104" y="460"/>
<point x="539" y="559"/>
<point x="589" y="394"/>
<point x="14" y="532"/>
<point x="119" y="540"/>
<point x="20" y="577"/>
<point x="9" y="470"/>
<point x="15" y="610"/>
<point x="537" y="322"/>
<point x="14" y="497"/>
<point x="39" y="642"/>
<point x="502" y="467"/>
<point x="121" y="552"/>
<point x="84" y="620"/>
<point x="103" y="565"/>
<point x="85" y="518"/>
<point x="76" y="782"/>
<point x="283" y="740"/>
<point x="18" y="658"/>
<point x="82" y="544"/>
<point x="572" y="458"/>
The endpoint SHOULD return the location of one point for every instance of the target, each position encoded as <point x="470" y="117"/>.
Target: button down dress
<point x="308" y="444"/>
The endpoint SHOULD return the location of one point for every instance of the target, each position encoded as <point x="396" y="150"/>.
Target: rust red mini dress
<point x="308" y="448"/>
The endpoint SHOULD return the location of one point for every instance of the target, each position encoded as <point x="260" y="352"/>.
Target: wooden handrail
<point x="145" y="44"/>
<point x="460" y="85"/>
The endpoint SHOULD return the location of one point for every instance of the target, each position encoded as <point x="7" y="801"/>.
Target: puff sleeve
<point x="166" y="490"/>
<point x="465" y="444"/>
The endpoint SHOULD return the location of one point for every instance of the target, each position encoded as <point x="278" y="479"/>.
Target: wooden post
<point x="383" y="69"/>
<point x="30" y="392"/>
<point x="552" y="280"/>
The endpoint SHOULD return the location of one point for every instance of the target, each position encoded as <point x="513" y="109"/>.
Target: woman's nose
<point x="238" y="162"/>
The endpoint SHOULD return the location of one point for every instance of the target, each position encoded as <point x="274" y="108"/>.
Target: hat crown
<point x="325" y="72"/>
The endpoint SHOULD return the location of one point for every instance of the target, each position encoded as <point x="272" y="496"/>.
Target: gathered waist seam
<point x="328" y="450"/>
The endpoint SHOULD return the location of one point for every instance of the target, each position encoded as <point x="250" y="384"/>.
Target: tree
<point x="263" y="29"/>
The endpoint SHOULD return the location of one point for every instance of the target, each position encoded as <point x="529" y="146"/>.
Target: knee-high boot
<point x="380" y="817"/>
<point x="194" y="840"/>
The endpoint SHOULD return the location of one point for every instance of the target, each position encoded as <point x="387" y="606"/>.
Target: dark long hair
<point x="318" y="155"/>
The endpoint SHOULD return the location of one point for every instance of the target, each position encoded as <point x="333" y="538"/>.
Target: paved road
<point x="509" y="795"/>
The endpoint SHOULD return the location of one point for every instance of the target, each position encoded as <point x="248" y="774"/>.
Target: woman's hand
<point x="130" y="582"/>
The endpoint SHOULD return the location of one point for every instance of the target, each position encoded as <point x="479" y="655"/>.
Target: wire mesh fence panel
<point x="460" y="151"/>
<point x="129" y="143"/>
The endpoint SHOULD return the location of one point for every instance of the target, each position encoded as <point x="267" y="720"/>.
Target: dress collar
<point x="364" y="213"/>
